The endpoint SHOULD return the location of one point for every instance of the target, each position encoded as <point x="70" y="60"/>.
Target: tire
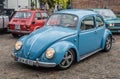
<point x="5" y="30"/>
<point x="15" y="35"/>
<point x="108" y="44"/>
<point x="67" y="60"/>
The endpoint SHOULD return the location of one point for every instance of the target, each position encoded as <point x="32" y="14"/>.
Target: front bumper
<point x="19" y="31"/>
<point x="114" y="29"/>
<point x="33" y="63"/>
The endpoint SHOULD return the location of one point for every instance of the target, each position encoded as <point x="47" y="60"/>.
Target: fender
<point x="33" y="28"/>
<point x="106" y="34"/>
<point x="60" y="49"/>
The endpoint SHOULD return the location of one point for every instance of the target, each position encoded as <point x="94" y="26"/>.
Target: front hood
<point x="112" y="20"/>
<point x="38" y="41"/>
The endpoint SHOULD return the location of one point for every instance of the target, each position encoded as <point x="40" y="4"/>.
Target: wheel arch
<point x="75" y="53"/>
<point x="35" y="28"/>
<point x="106" y="34"/>
<point x="65" y="46"/>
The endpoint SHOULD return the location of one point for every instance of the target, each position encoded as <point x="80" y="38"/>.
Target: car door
<point x="38" y="20"/>
<point x="87" y="36"/>
<point x="100" y="28"/>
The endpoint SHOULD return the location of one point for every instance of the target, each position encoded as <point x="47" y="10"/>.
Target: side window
<point x="37" y="16"/>
<point x="99" y="21"/>
<point x="44" y="15"/>
<point x="87" y="23"/>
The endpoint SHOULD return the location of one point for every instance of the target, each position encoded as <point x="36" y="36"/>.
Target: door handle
<point x="95" y="32"/>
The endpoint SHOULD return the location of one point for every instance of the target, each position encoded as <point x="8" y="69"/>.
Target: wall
<point x="86" y="4"/>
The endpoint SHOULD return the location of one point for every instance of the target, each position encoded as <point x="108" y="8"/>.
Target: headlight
<point x="18" y="45"/>
<point x="111" y="25"/>
<point x="50" y="53"/>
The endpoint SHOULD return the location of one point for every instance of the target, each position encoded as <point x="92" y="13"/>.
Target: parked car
<point x="68" y="36"/>
<point x="4" y="19"/>
<point x="25" y="21"/>
<point x="111" y="20"/>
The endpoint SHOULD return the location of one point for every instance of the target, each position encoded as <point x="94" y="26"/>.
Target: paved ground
<point x="99" y="66"/>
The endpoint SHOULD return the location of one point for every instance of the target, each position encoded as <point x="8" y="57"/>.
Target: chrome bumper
<point x="33" y="63"/>
<point x="19" y="31"/>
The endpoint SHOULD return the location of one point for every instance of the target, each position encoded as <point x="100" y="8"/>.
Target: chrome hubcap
<point x="67" y="60"/>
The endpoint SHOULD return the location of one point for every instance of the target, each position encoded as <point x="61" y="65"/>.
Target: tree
<point x="50" y="2"/>
<point x="32" y="4"/>
<point x="62" y="2"/>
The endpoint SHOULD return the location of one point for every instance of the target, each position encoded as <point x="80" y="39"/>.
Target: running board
<point x="87" y="55"/>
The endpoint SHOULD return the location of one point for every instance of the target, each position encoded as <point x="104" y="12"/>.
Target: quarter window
<point x="87" y="23"/>
<point x="99" y="21"/>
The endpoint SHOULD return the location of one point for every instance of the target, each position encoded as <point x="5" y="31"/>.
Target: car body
<point x="4" y="19"/>
<point x="68" y="36"/>
<point x="25" y="21"/>
<point x="111" y="20"/>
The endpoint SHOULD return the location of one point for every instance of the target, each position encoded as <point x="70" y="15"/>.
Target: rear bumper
<point x="33" y="63"/>
<point x="19" y="31"/>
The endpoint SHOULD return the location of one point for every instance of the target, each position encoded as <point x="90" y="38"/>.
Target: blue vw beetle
<point x="68" y="36"/>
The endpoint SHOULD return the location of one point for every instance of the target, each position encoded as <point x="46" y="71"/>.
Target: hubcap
<point x="67" y="60"/>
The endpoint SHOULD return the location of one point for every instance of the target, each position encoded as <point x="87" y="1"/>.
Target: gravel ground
<point x="99" y="66"/>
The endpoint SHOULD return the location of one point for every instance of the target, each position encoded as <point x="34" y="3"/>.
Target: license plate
<point x="17" y="27"/>
<point x="25" y="61"/>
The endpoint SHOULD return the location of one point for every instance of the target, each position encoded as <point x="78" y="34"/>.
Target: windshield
<point x="62" y="20"/>
<point x="22" y="15"/>
<point x="106" y="13"/>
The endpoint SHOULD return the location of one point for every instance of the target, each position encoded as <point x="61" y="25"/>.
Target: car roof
<point x="78" y="12"/>
<point x="100" y="9"/>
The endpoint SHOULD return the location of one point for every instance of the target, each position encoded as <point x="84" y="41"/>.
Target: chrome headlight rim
<point x="49" y="54"/>
<point x="18" y="45"/>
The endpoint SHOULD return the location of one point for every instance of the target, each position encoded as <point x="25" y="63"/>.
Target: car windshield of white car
<point x="106" y="13"/>
<point x="63" y="20"/>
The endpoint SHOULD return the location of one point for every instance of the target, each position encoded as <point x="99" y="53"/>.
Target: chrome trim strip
<point x="87" y="55"/>
<point x="44" y="64"/>
<point x="36" y="63"/>
<point x="18" y="31"/>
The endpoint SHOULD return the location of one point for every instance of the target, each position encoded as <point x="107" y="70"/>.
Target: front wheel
<point x="67" y="60"/>
<point x="108" y="44"/>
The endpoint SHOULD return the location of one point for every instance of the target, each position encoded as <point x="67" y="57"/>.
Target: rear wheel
<point x="108" y="44"/>
<point x="67" y="60"/>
